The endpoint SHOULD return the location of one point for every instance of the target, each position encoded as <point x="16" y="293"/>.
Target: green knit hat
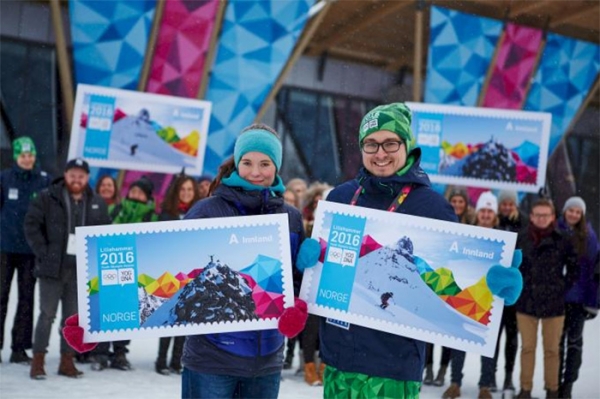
<point x="395" y="117"/>
<point x="21" y="145"/>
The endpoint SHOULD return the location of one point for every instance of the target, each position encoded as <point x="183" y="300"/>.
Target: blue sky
<point x="187" y="250"/>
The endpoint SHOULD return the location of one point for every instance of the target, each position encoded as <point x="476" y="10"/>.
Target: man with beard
<point x="50" y="231"/>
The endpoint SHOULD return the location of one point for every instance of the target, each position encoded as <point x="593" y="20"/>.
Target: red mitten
<point x="293" y="320"/>
<point x="74" y="335"/>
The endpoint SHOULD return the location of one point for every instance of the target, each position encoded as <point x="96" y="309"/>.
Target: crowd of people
<point x="558" y="272"/>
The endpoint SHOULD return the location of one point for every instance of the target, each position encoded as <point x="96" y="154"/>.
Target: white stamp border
<point x="281" y="220"/>
<point x="171" y="101"/>
<point x="508" y="238"/>
<point x="494" y="113"/>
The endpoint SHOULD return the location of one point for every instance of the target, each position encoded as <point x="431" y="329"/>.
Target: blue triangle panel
<point x="566" y="72"/>
<point x="461" y="45"/>
<point x="121" y="61"/>
<point x="254" y="33"/>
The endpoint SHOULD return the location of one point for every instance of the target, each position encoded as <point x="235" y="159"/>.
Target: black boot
<point x="428" y="379"/>
<point x="20" y="357"/>
<point x="161" y="366"/>
<point x="565" y="391"/>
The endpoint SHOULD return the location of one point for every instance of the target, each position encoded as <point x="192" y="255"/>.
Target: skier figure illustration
<point x="385" y="297"/>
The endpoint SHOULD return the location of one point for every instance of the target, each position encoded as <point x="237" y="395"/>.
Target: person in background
<point x="486" y="215"/>
<point x="511" y="218"/>
<point x="106" y="187"/>
<point x="203" y="183"/>
<point x="183" y="193"/>
<point x="313" y="374"/>
<point x="459" y="199"/>
<point x="549" y="270"/>
<point x="18" y="186"/>
<point x="363" y="362"/>
<point x="290" y="197"/>
<point x="137" y="207"/>
<point x="582" y="299"/>
<point x="50" y="231"/>
<point x="299" y="187"/>
<point x="243" y="364"/>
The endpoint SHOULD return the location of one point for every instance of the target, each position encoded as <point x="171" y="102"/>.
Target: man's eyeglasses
<point x="371" y="147"/>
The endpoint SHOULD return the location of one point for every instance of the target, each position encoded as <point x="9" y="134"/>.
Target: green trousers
<point x="345" y="385"/>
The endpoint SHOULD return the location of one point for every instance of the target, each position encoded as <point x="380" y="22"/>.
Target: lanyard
<point x="394" y="205"/>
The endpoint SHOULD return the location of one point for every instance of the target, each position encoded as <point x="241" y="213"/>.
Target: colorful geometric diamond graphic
<point x="109" y="40"/>
<point x="181" y="46"/>
<point x="441" y="281"/>
<point x="266" y="272"/>
<point x="256" y="41"/>
<point x="514" y="66"/>
<point x="565" y="74"/>
<point x="268" y="304"/>
<point x="461" y="47"/>
<point x="474" y="301"/>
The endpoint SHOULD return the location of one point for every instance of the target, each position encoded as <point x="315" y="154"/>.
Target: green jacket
<point x="129" y="211"/>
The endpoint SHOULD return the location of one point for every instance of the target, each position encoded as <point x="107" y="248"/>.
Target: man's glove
<point x="293" y="319"/>
<point x="590" y="312"/>
<point x="308" y="255"/>
<point x="73" y="334"/>
<point x="507" y="282"/>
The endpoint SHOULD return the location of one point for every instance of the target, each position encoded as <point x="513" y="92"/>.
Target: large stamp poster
<point x="183" y="277"/>
<point x="132" y="130"/>
<point x="482" y="147"/>
<point x="411" y="276"/>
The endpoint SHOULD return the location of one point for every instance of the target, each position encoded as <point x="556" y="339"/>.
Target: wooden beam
<point x="212" y="49"/>
<point x="490" y="71"/>
<point x="528" y="7"/>
<point x="418" y="56"/>
<point x="365" y="57"/>
<point x="573" y="14"/>
<point x="355" y="26"/>
<point x="150" y="47"/>
<point x="64" y="64"/>
<point x="307" y="34"/>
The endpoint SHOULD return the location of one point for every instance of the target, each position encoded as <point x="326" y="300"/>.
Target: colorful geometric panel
<point x="93" y="286"/>
<point x="256" y="41"/>
<point x="461" y="47"/>
<point x="181" y="47"/>
<point x="368" y="245"/>
<point x="109" y="40"/>
<point x="514" y="66"/>
<point x="566" y="71"/>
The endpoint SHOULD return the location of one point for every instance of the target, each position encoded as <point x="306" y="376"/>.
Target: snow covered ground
<point x="143" y="382"/>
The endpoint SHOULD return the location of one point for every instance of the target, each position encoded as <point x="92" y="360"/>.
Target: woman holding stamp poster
<point x="243" y="364"/>
<point x="363" y="362"/>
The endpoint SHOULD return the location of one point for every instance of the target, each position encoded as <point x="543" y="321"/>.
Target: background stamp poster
<point x="184" y="277"/>
<point x="132" y="130"/>
<point x="411" y="276"/>
<point x="482" y="147"/>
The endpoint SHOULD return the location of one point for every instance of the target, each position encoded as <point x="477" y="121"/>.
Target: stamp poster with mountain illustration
<point x="132" y="130"/>
<point x="412" y="276"/>
<point x="482" y="147"/>
<point x="183" y="277"/>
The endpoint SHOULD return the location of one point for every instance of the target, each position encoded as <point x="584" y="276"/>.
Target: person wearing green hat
<point x="18" y="185"/>
<point x="363" y="362"/>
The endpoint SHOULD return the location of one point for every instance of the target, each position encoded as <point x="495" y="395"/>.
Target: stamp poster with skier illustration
<point x="412" y="276"/>
<point x="131" y="130"/>
<point x="183" y="277"/>
<point x="482" y="147"/>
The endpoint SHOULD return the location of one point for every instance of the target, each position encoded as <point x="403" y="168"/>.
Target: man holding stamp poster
<point x="363" y="362"/>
